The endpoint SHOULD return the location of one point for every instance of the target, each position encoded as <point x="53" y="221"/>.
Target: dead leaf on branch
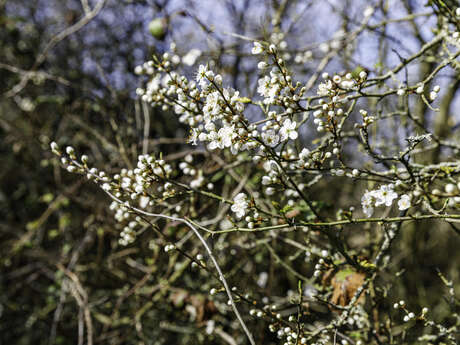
<point x="199" y="307"/>
<point x="346" y="283"/>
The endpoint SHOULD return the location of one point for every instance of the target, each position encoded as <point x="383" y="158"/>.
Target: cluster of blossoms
<point x="243" y="207"/>
<point x="216" y="117"/>
<point x="136" y="183"/>
<point x="273" y="88"/>
<point x="332" y="86"/>
<point x="187" y="168"/>
<point x="385" y="195"/>
<point x="434" y="92"/>
<point x="214" y="113"/>
<point x="272" y="138"/>
<point x="278" y="88"/>
<point x="333" y="92"/>
<point x="272" y="170"/>
<point x="451" y="192"/>
<point x="450" y="32"/>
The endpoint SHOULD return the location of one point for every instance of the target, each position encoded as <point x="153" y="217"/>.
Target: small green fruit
<point x="158" y="28"/>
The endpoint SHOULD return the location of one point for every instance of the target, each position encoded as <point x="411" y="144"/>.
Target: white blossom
<point x="240" y="205"/>
<point x="257" y="49"/>
<point x="201" y="76"/>
<point x="366" y="202"/>
<point x="304" y="154"/>
<point x="288" y="131"/>
<point x="264" y="86"/>
<point x="404" y="202"/>
<point x="385" y="196"/>
<point x="325" y="89"/>
<point x="144" y="201"/>
<point x="190" y="58"/>
<point x="270" y="138"/>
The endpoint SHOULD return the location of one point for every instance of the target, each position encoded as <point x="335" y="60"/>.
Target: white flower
<point x="363" y="74"/>
<point x="304" y="154"/>
<point x="190" y="58"/>
<point x="194" y="133"/>
<point x="106" y="187"/>
<point x="198" y="182"/>
<point x="324" y="89"/>
<point x="240" y="205"/>
<point x="264" y="86"/>
<point x="257" y="49"/>
<point x="269" y="89"/>
<point x="201" y="76"/>
<point x="288" y="130"/>
<point x="404" y="202"/>
<point x="212" y="106"/>
<point x="385" y="195"/>
<point x="125" y="182"/>
<point x="270" y="138"/>
<point x="221" y="139"/>
<point x="270" y="191"/>
<point x="226" y="135"/>
<point x="366" y="202"/>
<point x="214" y="140"/>
<point x="450" y="188"/>
<point x="54" y="146"/>
<point x="144" y="201"/>
<point x="262" y="280"/>
<point x="271" y="166"/>
<point x="262" y="65"/>
<point x="368" y="210"/>
<point x="368" y="11"/>
<point x="266" y="180"/>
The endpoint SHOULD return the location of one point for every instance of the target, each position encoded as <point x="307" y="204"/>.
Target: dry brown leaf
<point x="345" y="284"/>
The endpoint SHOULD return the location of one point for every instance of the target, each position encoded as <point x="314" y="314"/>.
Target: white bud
<point x="262" y="65"/>
<point x="450" y="188"/>
<point x="70" y="150"/>
<point x="106" y="187"/>
<point x="54" y="146"/>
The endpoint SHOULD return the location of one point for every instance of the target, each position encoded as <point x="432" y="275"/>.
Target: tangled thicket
<point x="288" y="190"/>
